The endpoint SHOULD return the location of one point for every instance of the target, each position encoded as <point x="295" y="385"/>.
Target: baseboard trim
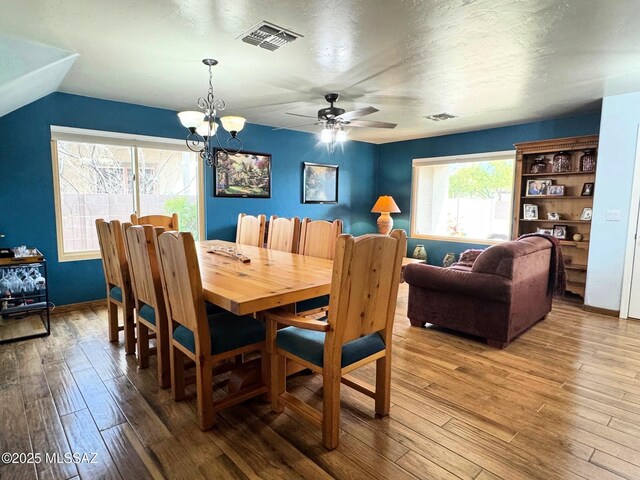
<point x="601" y="311"/>
<point x="79" y="306"/>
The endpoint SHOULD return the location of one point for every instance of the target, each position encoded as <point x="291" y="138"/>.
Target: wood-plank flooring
<point x="561" y="402"/>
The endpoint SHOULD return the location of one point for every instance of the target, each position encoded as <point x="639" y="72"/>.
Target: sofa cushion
<point x="498" y="259"/>
<point x="228" y="332"/>
<point x="309" y="345"/>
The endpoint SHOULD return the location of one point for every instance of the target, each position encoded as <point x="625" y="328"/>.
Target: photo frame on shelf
<point x="560" y="232"/>
<point x="243" y="174"/>
<point x="319" y="183"/>
<point x="586" y="214"/>
<point x="530" y="211"/>
<point x="545" y="231"/>
<point x="555" y="190"/>
<point x="538" y="187"/>
<point x="587" y="189"/>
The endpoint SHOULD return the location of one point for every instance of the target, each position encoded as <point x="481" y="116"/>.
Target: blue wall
<point x="26" y="185"/>
<point x="394" y="164"/>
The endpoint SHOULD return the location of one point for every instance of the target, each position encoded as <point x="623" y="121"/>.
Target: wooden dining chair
<point x="207" y="341"/>
<point x="318" y="237"/>
<point x="118" y="283"/>
<point x="148" y="297"/>
<point x="357" y="331"/>
<point x="284" y="234"/>
<point x="250" y="230"/>
<point x="164" y="221"/>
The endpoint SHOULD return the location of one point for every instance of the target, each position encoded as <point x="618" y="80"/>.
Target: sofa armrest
<point x="480" y="285"/>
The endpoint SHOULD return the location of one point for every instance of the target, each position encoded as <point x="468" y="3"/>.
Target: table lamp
<point x="384" y="206"/>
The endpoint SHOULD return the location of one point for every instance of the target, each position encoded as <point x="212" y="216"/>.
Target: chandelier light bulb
<point x="341" y="136"/>
<point x="325" y="135"/>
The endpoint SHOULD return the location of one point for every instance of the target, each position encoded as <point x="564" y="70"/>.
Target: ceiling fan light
<point x="191" y="119"/>
<point x="325" y="135"/>
<point x="203" y="129"/>
<point x="341" y="136"/>
<point x="233" y="124"/>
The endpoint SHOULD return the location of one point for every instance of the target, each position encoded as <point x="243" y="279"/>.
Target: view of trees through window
<point x="100" y="181"/>
<point x="470" y="199"/>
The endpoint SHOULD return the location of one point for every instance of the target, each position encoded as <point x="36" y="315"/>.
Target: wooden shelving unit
<point x="569" y="206"/>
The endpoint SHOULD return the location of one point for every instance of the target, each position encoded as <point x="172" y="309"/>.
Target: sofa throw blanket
<point x="557" y="274"/>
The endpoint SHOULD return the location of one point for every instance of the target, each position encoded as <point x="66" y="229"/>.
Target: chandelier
<point x="203" y="125"/>
<point x="332" y="133"/>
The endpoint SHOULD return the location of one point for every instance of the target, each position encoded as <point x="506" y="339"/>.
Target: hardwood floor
<point x="561" y="402"/>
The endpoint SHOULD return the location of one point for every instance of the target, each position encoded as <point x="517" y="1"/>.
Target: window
<point x="110" y="176"/>
<point x="464" y="198"/>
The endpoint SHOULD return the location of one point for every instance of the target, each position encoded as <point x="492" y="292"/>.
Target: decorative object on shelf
<point x="203" y="125"/>
<point x="561" y="162"/>
<point x="545" y="231"/>
<point x="577" y="237"/>
<point x="420" y="253"/>
<point x="553" y="216"/>
<point x="588" y="161"/>
<point x="245" y="175"/>
<point x="384" y="206"/>
<point x="560" y="232"/>
<point x="535" y="188"/>
<point x="530" y="211"/>
<point x="586" y="213"/>
<point x="449" y="259"/>
<point x="319" y="183"/>
<point x="587" y="189"/>
<point x="539" y="164"/>
<point x="555" y="190"/>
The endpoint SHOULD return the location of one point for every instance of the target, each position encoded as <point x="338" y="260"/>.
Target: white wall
<point x="616" y="163"/>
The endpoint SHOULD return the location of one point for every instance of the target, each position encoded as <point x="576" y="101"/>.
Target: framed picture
<point x="560" y="232"/>
<point x="243" y="174"/>
<point x="587" y="189"/>
<point x="319" y="183"/>
<point x="586" y="213"/>
<point x="546" y="231"/>
<point x="538" y="187"/>
<point x="555" y="190"/>
<point x="530" y="212"/>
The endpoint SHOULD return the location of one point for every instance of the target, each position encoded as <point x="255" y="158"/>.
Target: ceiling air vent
<point x="439" y="117"/>
<point x="269" y="36"/>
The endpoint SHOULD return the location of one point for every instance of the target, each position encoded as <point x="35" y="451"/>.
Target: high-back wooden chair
<point x="118" y="283"/>
<point x="364" y="290"/>
<point x="318" y="237"/>
<point x="284" y="234"/>
<point x="207" y="341"/>
<point x="164" y="221"/>
<point x="148" y="297"/>
<point x="250" y="230"/>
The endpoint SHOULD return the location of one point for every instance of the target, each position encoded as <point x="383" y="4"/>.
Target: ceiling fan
<point x="335" y="119"/>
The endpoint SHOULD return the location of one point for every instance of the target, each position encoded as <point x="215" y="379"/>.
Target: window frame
<point x="80" y="135"/>
<point x="470" y="158"/>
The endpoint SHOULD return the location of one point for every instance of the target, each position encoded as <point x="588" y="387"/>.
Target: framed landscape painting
<point x="243" y="174"/>
<point x="319" y="183"/>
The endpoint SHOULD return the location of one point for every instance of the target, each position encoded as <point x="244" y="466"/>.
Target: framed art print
<point x="242" y="174"/>
<point x="319" y="183"/>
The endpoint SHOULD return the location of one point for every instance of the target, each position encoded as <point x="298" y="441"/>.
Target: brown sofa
<point x="504" y="293"/>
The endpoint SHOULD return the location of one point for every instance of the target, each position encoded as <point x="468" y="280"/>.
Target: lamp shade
<point x="203" y="129"/>
<point x="191" y="119"/>
<point x="233" y="124"/>
<point x="385" y="204"/>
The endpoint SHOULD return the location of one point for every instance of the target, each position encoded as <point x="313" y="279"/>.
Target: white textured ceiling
<point x="491" y="62"/>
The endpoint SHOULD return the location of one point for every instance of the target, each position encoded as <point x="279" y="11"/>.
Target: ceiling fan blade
<point x="361" y="112"/>
<point x="298" y="115"/>
<point x="370" y="124"/>
<point x="296" y="126"/>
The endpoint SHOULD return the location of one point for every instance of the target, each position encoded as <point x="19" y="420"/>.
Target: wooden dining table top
<point x="271" y="279"/>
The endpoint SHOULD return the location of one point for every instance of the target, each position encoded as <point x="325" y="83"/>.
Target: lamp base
<point x="385" y="223"/>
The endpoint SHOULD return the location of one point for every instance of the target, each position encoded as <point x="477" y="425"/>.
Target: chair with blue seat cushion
<point x="357" y="330"/>
<point x="165" y="221"/>
<point x="118" y="284"/>
<point x="207" y="341"/>
<point x="284" y="234"/>
<point x="250" y="230"/>
<point x="140" y="243"/>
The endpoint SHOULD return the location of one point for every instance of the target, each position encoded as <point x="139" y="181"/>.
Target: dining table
<point x="269" y="279"/>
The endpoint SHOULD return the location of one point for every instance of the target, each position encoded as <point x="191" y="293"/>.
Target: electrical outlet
<point x="613" y="215"/>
